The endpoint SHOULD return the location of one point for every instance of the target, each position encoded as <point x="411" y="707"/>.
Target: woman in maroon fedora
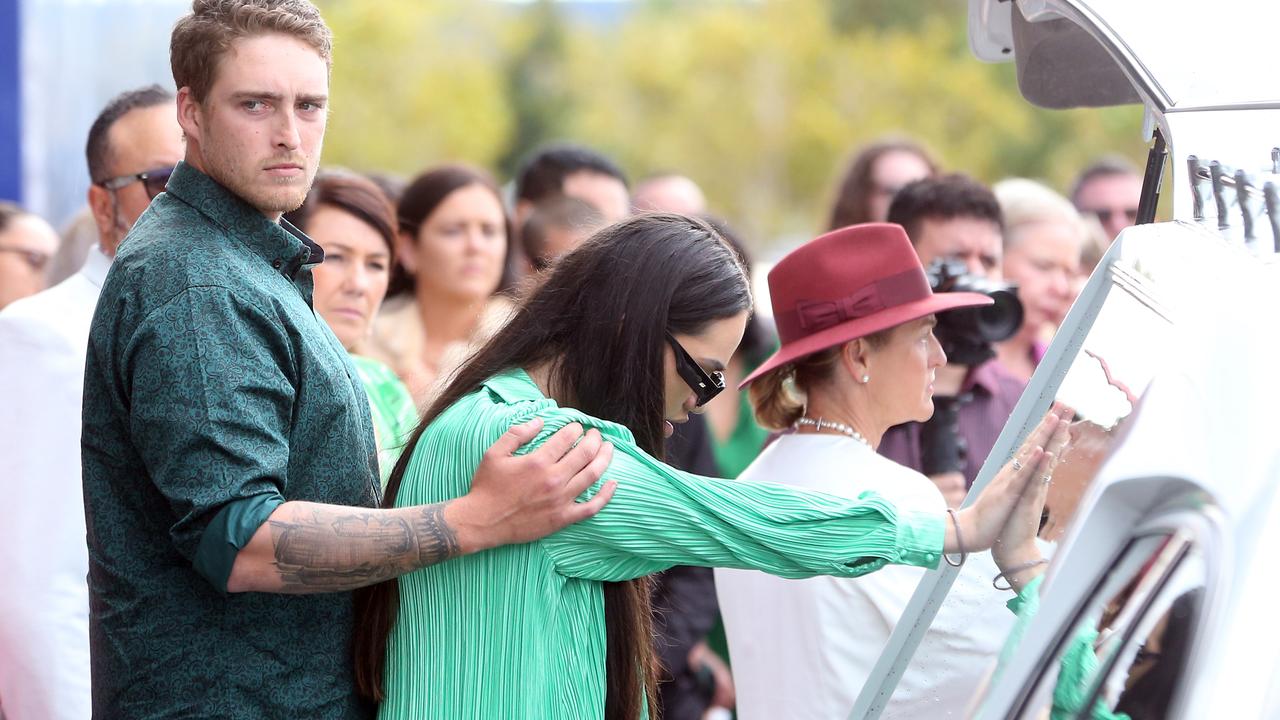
<point x="626" y="335"/>
<point x="855" y="315"/>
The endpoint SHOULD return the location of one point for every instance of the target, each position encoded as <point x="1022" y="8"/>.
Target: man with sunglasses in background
<point x="44" y="612"/>
<point x="1109" y="190"/>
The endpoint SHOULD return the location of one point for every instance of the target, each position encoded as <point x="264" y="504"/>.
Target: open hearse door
<point x="1170" y="357"/>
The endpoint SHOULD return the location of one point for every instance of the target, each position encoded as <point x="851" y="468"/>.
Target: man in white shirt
<point x="44" y="609"/>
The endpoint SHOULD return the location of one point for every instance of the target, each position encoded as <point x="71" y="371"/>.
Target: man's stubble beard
<point x="225" y="170"/>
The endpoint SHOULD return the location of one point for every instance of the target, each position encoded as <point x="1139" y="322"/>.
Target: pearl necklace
<point x="820" y="424"/>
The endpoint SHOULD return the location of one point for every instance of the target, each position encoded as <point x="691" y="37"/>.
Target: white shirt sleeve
<point x="44" y="607"/>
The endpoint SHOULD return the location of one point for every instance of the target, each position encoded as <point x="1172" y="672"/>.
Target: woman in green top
<point x="625" y="335"/>
<point x="352" y="219"/>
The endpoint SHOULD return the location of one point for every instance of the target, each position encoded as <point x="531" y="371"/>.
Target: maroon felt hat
<point x="847" y="284"/>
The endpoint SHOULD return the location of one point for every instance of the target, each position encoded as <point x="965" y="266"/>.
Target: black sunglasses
<point x="705" y="385"/>
<point x="152" y="180"/>
<point x="1104" y="215"/>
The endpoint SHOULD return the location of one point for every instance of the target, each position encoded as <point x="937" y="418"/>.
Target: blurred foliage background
<point x="760" y="102"/>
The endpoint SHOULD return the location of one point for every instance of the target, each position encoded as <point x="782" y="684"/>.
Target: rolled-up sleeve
<point x="210" y="417"/>
<point x="660" y="516"/>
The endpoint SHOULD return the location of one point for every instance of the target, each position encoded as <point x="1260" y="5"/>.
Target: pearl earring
<point x="866" y="379"/>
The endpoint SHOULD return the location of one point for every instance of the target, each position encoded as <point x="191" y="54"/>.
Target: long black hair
<point x="599" y="322"/>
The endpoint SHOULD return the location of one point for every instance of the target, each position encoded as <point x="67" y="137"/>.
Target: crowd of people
<point x="296" y="441"/>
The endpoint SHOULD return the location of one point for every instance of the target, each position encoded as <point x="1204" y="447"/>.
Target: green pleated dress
<point x="519" y="631"/>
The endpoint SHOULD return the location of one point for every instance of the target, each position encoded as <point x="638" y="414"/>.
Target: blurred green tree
<point x="417" y="83"/>
<point x="762" y="103"/>
<point x="540" y="102"/>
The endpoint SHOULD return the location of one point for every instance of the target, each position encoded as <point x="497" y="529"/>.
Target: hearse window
<point x="1125" y="653"/>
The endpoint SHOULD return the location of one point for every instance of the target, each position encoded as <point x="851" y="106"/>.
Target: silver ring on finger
<point x="1017" y="465"/>
<point x="1046" y="479"/>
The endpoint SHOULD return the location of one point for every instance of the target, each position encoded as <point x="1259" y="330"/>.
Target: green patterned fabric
<point x="519" y="631"/>
<point x="213" y="393"/>
<point x="394" y="415"/>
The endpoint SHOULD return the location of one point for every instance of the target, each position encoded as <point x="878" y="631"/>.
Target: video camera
<point x="966" y="336"/>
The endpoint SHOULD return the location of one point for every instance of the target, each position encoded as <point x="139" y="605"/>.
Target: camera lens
<point x="966" y="334"/>
<point x="1000" y="321"/>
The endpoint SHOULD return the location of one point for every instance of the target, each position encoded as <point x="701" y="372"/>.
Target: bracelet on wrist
<point x="1007" y="574"/>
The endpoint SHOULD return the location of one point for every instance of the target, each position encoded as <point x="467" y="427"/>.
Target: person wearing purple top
<point x="957" y="218"/>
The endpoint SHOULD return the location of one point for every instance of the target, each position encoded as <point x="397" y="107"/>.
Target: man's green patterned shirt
<point x="214" y="393"/>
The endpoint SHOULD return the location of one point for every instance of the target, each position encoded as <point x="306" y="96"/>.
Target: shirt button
<point x="930" y="557"/>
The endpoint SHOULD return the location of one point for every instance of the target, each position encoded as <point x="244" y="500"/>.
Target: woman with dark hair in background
<point x="352" y="219"/>
<point x="452" y="245"/>
<point x="875" y="175"/>
<point x="627" y="334"/>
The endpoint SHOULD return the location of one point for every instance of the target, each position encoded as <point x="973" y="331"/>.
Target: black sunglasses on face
<point x="152" y="180"/>
<point x="1104" y="215"/>
<point x="705" y="385"/>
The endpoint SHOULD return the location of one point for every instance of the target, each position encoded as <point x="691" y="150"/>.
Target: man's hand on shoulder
<point x="308" y="547"/>
<point x="518" y="499"/>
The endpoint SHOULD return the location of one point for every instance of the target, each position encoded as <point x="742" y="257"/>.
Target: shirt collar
<point x="514" y="386"/>
<point x="95" y="266"/>
<point x="1038" y="349"/>
<point x="287" y="248"/>
<point x="985" y="376"/>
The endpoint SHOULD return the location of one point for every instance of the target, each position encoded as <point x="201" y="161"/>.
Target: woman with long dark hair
<point x="627" y="334"/>
<point x="452" y="242"/>
<point x="874" y="175"/>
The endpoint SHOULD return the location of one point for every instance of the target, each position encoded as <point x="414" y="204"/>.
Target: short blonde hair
<point x="200" y="39"/>
<point x="1026" y="202"/>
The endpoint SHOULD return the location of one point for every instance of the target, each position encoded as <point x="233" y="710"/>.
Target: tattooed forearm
<point x="331" y="550"/>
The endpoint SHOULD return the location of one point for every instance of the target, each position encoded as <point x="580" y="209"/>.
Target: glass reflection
<point x="1110" y="372"/>
<point x="1123" y="333"/>
<point x="1123" y="658"/>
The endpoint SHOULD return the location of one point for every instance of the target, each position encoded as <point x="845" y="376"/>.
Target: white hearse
<point x="1168" y="553"/>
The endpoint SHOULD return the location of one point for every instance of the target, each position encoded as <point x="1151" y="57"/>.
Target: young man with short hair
<point x="575" y="171"/>
<point x="230" y="472"/>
